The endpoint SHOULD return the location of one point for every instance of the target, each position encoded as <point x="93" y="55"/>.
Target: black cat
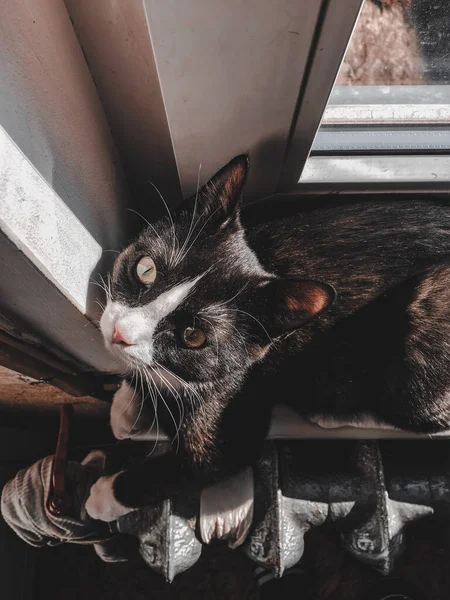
<point x="340" y="312"/>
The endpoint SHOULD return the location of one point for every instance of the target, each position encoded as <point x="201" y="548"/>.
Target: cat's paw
<point x="226" y="509"/>
<point x="125" y="411"/>
<point x="102" y="504"/>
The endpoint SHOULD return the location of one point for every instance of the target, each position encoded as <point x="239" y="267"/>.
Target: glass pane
<point x="399" y="42"/>
<point x="392" y="93"/>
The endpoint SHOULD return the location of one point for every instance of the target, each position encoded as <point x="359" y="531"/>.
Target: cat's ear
<point x="221" y="195"/>
<point x="293" y="302"/>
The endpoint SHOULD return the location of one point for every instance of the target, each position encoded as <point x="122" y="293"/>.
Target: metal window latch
<point x="59" y="501"/>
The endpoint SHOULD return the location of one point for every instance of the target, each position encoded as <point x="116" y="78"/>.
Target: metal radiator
<point x="367" y="490"/>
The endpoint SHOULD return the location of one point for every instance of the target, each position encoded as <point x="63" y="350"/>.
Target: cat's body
<point x="341" y="311"/>
<point x="383" y="347"/>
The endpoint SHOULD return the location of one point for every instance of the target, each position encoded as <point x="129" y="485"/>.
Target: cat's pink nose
<point x="119" y="338"/>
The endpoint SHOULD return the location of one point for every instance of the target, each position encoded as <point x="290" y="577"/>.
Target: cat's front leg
<point x="128" y="419"/>
<point x="216" y="443"/>
<point x="102" y="503"/>
<point x="225" y="512"/>
<point x="163" y="477"/>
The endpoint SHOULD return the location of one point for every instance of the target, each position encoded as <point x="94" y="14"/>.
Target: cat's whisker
<point x="184" y="383"/>
<point x="181" y="256"/>
<point x="187" y="386"/>
<point x="176" y="396"/>
<point x="214" y="307"/>
<point x="131" y="401"/>
<point x="179" y="402"/>
<point x="128" y="370"/>
<point x="151" y="387"/>
<point x="130" y="431"/>
<point x="155" y="443"/>
<point x="252" y="317"/>
<point x="212" y="185"/>
<point x="186" y="252"/>
<point x="174" y="391"/>
<point x="215" y="335"/>
<point x="244" y="343"/>
<point x="109" y="287"/>
<point x="106" y="287"/>
<point x="101" y="286"/>
<point x="176" y="436"/>
<point x="190" y="231"/>
<point x="100" y="304"/>
<point x="143" y="397"/>
<point x="155" y="415"/>
<point x="163" y="245"/>
<point x="176" y="244"/>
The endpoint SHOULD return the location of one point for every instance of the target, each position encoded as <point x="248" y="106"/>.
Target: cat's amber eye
<point x="193" y="337"/>
<point x="146" y="270"/>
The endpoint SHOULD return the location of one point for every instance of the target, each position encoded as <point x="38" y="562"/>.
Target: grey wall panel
<point x="50" y="108"/>
<point x="230" y="74"/>
<point x="27" y="295"/>
<point x="116" y="42"/>
<point x="62" y="190"/>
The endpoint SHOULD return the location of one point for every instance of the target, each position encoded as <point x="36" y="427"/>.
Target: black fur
<point x="341" y="310"/>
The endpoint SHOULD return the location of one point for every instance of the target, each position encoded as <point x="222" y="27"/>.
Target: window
<point x="391" y="97"/>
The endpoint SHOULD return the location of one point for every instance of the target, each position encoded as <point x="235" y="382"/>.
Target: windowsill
<point x="417" y="172"/>
<point x="385" y="118"/>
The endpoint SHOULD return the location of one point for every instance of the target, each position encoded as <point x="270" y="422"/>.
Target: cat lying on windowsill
<point x="219" y="313"/>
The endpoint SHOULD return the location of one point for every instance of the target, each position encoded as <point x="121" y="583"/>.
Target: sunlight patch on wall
<point x="40" y="224"/>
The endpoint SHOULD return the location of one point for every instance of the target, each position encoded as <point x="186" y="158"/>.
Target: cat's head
<point x="189" y="298"/>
